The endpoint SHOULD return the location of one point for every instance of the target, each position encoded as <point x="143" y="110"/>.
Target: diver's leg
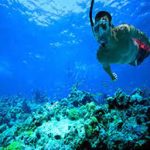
<point x="143" y="52"/>
<point x="141" y="56"/>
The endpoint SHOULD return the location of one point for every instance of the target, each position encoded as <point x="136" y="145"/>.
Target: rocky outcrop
<point x="79" y="122"/>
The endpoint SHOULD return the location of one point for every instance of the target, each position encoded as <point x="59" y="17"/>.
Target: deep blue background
<point x="56" y="55"/>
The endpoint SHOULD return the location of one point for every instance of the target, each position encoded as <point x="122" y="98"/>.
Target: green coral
<point x="73" y="114"/>
<point x="91" y="106"/>
<point x="90" y="127"/>
<point x="15" y="145"/>
<point x="29" y="132"/>
<point x="88" y="130"/>
<point x="94" y="120"/>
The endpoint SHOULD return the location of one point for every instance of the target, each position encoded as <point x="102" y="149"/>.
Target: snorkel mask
<point x="102" y="24"/>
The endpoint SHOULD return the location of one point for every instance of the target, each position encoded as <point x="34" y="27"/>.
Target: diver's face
<point x="102" y="26"/>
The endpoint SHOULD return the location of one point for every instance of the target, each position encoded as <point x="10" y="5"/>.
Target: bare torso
<point x="120" y="47"/>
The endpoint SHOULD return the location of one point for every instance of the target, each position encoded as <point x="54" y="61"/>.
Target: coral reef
<point x="77" y="122"/>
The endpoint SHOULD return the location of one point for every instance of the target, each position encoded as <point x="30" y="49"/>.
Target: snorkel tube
<point x="90" y="14"/>
<point x="99" y="15"/>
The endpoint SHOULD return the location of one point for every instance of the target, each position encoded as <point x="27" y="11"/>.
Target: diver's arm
<point x="107" y="68"/>
<point x="90" y="13"/>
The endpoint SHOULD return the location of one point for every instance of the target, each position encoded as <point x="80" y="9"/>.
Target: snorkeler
<point x="123" y="44"/>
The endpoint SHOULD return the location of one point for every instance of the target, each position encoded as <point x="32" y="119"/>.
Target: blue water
<point x="49" y="45"/>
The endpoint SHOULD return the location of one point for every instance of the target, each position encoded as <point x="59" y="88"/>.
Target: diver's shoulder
<point x="124" y="27"/>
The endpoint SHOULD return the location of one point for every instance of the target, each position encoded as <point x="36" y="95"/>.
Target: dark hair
<point x="101" y="14"/>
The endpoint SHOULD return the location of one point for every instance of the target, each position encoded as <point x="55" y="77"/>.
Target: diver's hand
<point x="114" y="76"/>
